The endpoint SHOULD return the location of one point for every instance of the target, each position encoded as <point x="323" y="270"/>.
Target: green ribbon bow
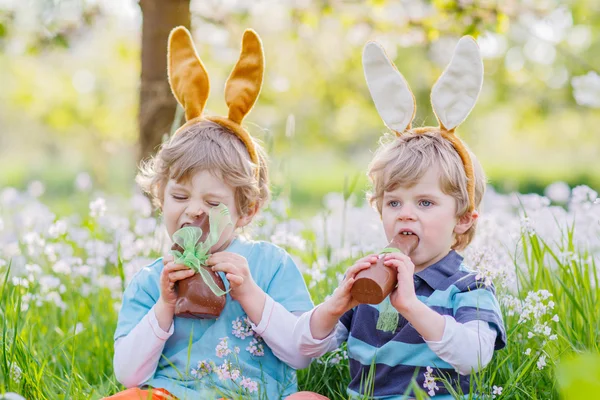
<point x="388" y="315"/>
<point x="195" y="253"/>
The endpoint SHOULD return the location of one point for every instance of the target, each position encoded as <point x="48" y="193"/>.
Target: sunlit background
<point x="69" y="79"/>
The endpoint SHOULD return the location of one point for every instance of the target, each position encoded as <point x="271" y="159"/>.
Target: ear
<point x="466" y="222"/>
<point x="187" y="75"/>
<point x="393" y="98"/>
<point x="454" y="94"/>
<point x="244" y="83"/>
<point x="248" y="217"/>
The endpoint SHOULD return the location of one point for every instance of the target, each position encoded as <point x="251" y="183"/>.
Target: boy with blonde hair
<point x="428" y="186"/>
<point x="211" y="165"/>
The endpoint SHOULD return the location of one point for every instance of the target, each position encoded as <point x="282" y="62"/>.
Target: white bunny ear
<point x="390" y="92"/>
<point x="454" y="94"/>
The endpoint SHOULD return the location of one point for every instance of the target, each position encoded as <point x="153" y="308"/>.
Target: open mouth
<point x="201" y="223"/>
<point x="407" y="241"/>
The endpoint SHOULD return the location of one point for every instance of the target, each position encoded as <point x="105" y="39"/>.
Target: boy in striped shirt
<point x="449" y="322"/>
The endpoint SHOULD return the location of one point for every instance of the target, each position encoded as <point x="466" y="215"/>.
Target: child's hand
<point x="237" y="273"/>
<point x="403" y="296"/>
<point x="341" y="300"/>
<point x="172" y="273"/>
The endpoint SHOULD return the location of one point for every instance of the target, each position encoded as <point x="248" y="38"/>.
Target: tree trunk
<point x="157" y="104"/>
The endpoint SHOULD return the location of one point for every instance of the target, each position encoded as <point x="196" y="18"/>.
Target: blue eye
<point x="426" y="203"/>
<point x="394" y="203"/>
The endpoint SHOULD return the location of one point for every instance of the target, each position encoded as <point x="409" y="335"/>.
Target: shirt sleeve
<point x="287" y="286"/>
<point x="477" y="302"/>
<point x="140" y="296"/>
<point x="137" y="354"/>
<point x="467" y="347"/>
<point x="308" y="345"/>
<point x="276" y="327"/>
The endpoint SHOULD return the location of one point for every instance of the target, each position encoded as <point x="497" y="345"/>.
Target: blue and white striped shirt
<point x="448" y="288"/>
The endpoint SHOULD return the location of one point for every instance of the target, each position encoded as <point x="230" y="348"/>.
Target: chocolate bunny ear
<point x="393" y="98"/>
<point x="455" y="93"/>
<point x="187" y="75"/>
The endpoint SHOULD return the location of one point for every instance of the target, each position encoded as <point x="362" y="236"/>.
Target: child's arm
<point x="450" y="340"/>
<point x="427" y="322"/>
<point x="137" y="354"/>
<point x="467" y="347"/>
<point x="276" y="326"/>
<point x="319" y="330"/>
<point x="135" y="364"/>
<point x="310" y="346"/>
<point x="269" y="319"/>
<point x="326" y="316"/>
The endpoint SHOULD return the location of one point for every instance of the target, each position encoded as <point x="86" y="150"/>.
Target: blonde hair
<point x="403" y="160"/>
<point x="208" y="146"/>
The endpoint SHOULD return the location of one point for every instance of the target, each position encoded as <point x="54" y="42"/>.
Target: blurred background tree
<point x="71" y="89"/>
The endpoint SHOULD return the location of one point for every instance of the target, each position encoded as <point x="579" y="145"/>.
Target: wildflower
<point x="202" y="369"/>
<point x="15" y="372"/>
<point x="235" y="373"/>
<point x="496" y="391"/>
<point x="141" y="205"/>
<point x="547" y="331"/>
<point x="98" y="208"/>
<point x="288" y="239"/>
<point x="555" y="318"/>
<point x="541" y="362"/>
<point x="61" y="267"/>
<point x="222" y="371"/>
<point x="145" y="226"/>
<point x="586" y="89"/>
<point x="527" y="352"/>
<point x="558" y="192"/>
<point x="241" y="328"/>
<point x="335" y="359"/>
<point x="83" y="182"/>
<point x="36" y="189"/>
<point x="249" y="385"/>
<point x="222" y="348"/>
<point x="527" y="226"/>
<point x="256" y="348"/>
<point x="429" y="382"/>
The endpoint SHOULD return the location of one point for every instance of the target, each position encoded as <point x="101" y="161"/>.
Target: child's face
<point x="427" y="212"/>
<point x="187" y="202"/>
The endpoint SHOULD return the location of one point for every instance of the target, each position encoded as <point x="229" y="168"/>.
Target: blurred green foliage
<point x="69" y="73"/>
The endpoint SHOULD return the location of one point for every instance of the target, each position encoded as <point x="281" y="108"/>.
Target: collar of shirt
<point x="436" y="274"/>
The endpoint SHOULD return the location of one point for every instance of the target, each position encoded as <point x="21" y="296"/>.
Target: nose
<point x="406" y="212"/>
<point x="194" y="210"/>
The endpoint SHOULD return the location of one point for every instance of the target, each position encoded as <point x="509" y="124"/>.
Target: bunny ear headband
<point x="453" y="96"/>
<point x="190" y="85"/>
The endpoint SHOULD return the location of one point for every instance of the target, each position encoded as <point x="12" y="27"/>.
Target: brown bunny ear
<point x="245" y="81"/>
<point x="187" y="75"/>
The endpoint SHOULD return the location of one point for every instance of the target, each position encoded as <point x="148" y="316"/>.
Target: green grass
<point x="58" y="360"/>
